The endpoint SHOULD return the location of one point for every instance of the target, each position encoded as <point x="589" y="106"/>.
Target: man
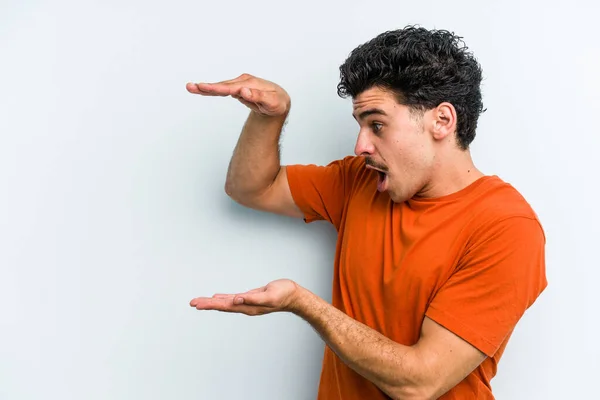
<point x="435" y="262"/>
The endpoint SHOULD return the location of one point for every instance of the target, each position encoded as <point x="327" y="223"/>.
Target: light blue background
<point x="113" y="214"/>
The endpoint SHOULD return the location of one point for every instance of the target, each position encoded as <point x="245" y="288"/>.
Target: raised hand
<point x="279" y="295"/>
<point x="261" y="96"/>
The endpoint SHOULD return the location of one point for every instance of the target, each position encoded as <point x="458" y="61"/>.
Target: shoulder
<point x="499" y="204"/>
<point x="495" y="198"/>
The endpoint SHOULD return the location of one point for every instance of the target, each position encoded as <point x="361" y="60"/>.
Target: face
<point x="395" y="142"/>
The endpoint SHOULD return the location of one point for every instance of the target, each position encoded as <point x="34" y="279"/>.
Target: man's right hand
<point x="255" y="177"/>
<point x="261" y="96"/>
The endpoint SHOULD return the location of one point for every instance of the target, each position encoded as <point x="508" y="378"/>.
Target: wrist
<point x="302" y="302"/>
<point x="275" y="119"/>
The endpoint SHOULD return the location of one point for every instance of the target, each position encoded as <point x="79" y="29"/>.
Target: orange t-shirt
<point x="473" y="261"/>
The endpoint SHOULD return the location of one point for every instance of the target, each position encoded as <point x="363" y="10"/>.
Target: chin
<point x="399" y="196"/>
<point x="396" y="197"/>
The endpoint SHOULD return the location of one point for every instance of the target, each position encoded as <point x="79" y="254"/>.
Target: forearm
<point x="255" y="162"/>
<point x="394" y="368"/>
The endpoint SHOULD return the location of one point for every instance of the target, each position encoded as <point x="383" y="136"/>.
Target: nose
<point x="363" y="146"/>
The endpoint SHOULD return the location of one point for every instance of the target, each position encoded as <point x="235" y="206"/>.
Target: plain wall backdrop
<point x="113" y="214"/>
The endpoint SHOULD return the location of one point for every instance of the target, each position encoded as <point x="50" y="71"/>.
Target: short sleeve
<point x="320" y="191"/>
<point x="497" y="280"/>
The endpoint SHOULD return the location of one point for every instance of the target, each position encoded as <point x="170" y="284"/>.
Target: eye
<point x="376" y="126"/>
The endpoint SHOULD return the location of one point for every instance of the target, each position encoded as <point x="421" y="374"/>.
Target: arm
<point x="436" y="363"/>
<point x="255" y="177"/>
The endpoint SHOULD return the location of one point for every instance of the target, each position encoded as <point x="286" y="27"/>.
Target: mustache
<point x="373" y="164"/>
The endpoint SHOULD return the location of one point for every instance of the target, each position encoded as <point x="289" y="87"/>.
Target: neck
<point x="451" y="174"/>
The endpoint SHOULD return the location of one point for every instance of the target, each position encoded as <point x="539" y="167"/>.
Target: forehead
<point x="373" y="101"/>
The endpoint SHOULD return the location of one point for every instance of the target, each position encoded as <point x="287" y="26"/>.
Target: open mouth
<point x="382" y="180"/>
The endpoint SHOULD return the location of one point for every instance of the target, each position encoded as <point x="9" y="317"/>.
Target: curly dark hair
<point x="423" y="68"/>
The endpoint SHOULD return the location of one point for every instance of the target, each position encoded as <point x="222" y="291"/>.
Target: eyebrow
<point x="370" y="111"/>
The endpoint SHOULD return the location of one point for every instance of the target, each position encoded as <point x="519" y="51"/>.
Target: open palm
<point x="276" y="296"/>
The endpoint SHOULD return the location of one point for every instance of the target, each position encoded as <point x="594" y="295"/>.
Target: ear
<point x="444" y="121"/>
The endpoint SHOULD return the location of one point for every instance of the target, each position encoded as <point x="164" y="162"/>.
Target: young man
<point x="435" y="262"/>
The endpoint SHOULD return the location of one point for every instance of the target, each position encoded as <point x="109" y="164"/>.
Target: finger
<point x="242" y="99"/>
<point x="251" y="95"/>
<point x="260" y="289"/>
<point x="226" y="305"/>
<point x="267" y="101"/>
<point x="232" y="296"/>
<point x="193" y="86"/>
<point x="211" y="303"/>
<point x="239" y="298"/>
<point x="223" y="296"/>
<point x="209" y="89"/>
<point x="258" y="298"/>
<point x="242" y="77"/>
<point x="197" y="300"/>
<point x="223" y="88"/>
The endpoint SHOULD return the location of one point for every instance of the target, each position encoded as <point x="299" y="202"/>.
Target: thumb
<point x="253" y="298"/>
<point x="267" y="102"/>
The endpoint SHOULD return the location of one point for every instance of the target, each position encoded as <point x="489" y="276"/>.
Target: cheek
<point x="408" y="153"/>
<point x="409" y="160"/>
<point x="422" y="150"/>
<point x="425" y="154"/>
